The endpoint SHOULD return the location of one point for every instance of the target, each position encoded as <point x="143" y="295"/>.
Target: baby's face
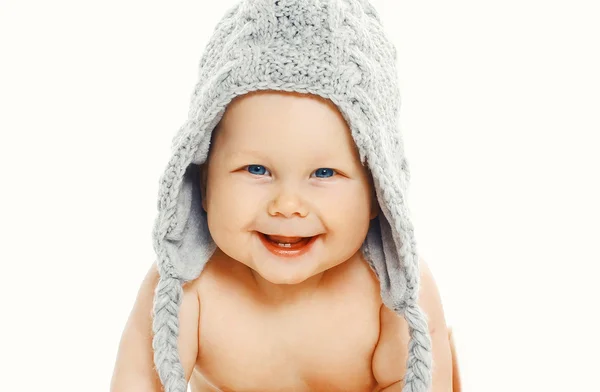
<point x="286" y="164"/>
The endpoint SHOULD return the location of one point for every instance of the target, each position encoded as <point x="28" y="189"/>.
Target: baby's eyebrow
<point x="317" y="157"/>
<point x="247" y="154"/>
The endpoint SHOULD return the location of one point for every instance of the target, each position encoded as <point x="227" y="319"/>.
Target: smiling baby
<point x="286" y="258"/>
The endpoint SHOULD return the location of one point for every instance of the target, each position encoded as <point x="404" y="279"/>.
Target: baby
<point x="285" y="257"/>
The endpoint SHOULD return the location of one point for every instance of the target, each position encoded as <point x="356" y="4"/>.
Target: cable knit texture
<point x="336" y="49"/>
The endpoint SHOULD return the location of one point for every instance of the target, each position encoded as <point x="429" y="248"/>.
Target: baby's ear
<point x="202" y="178"/>
<point x="374" y="203"/>
<point x="374" y="206"/>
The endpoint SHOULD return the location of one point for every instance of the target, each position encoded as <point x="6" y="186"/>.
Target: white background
<point x="500" y="115"/>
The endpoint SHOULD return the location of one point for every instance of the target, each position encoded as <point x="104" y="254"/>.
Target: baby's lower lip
<point x="293" y="251"/>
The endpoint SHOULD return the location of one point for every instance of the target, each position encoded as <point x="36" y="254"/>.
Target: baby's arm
<point x="456" y="383"/>
<point x="134" y="369"/>
<point x="391" y="353"/>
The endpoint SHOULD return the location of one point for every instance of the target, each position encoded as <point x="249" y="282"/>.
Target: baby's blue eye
<point x="324" y="172"/>
<point x="260" y="170"/>
<point x="256" y="169"/>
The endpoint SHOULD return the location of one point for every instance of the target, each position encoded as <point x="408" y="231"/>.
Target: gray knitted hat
<point x="336" y="49"/>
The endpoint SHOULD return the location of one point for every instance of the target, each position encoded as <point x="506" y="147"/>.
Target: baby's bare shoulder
<point x="134" y="368"/>
<point x="392" y="348"/>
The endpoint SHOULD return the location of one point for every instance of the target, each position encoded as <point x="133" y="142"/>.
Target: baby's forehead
<point x="263" y="142"/>
<point x="269" y="122"/>
<point x="281" y="108"/>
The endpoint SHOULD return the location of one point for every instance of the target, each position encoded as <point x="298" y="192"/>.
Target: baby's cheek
<point x="232" y="213"/>
<point x="348" y="205"/>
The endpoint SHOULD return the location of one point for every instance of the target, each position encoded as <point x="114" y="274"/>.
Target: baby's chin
<point x="287" y="272"/>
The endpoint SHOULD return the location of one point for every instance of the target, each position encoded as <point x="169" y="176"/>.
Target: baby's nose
<point x="288" y="204"/>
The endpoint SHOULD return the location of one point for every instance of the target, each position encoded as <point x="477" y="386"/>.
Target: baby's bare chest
<point x="322" y="345"/>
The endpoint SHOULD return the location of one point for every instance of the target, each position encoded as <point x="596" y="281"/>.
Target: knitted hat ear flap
<point x="181" y="236"/>
<point x="390" y="250"/>
<point x="183" y="244"/>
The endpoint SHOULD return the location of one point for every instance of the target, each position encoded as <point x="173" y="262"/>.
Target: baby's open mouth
<point x="287" y="242"/>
